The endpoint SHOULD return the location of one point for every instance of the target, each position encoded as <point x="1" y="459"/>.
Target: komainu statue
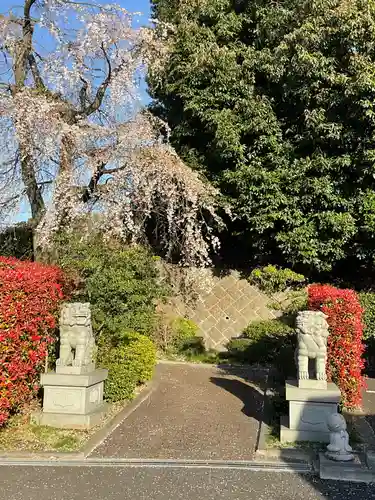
<point x="76" y="335"/>
<point x="312" y="336"/>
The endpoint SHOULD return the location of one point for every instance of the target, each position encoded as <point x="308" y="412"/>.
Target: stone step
<point x="356" y="470"/>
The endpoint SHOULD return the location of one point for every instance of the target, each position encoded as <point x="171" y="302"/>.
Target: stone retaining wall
<point x="223" y="308"/>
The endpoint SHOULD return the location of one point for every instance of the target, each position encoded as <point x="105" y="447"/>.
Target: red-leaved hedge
<point x="30" y="294"/>
<point x="345" y="346"/>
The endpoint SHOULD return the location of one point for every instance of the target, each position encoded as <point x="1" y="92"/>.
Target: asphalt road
<point x="105" y="483"/>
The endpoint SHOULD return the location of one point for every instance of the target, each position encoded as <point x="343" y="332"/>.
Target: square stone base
<point x="345" y="471"/>
<point x="288" y="435"/>
<point x="310" y="416"/>
<point x="70" y="421"/>
<point x="75" y="370"/>
<point x="309" y="409"/>
<point x="73" y="379"/>
<point x="75" y="394"/>
<point x="72" y="400"/>
<point x="295" y="393"/>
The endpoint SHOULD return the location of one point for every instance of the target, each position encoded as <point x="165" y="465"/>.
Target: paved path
<point x="196" y="412"/>
<point x="166" y="484"/>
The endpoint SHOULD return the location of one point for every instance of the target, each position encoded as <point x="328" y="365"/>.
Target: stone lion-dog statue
<point x="312" y="336"/>
<point x="76" y="335"/>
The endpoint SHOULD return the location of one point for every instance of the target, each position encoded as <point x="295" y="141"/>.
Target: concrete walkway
<point x="195" y="413"/>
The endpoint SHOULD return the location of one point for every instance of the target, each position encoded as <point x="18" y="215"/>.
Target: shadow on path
<point x="251" y="397"/>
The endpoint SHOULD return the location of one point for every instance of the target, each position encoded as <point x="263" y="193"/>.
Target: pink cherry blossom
<point x="75" y="136"/>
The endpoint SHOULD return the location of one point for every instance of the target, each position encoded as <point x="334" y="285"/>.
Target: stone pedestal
<point x="309" y="409"/>
<point x="72" y="400"/>
<point x="356" y="470"/>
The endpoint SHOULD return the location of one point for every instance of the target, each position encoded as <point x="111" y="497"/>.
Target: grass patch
<point x="208" y="357"/>
<point x="21" y="435"/>
<point x="211" y="357"/>
<point x="66" y="443"/>
<point x="273" y="441"/>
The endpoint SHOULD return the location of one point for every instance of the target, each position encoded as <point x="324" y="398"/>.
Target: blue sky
<point x="142" y="6"/>
<point x="131" y="5"/>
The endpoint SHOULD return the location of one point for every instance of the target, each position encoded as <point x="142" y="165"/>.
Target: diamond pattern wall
<point x="226" y="309"/>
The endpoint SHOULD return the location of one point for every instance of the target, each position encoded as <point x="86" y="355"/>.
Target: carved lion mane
<point x="312" y="323"/>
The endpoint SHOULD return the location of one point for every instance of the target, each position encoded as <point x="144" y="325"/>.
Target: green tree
<point x="122" y="284"/>
<point x="275" y="103"/>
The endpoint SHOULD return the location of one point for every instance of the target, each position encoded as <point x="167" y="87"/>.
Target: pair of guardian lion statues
<point x="76" y="336"/>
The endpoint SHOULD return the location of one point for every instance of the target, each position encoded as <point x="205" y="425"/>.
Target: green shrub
<point x="367" y="300"/>
<point x="121" y="283"/>
<point x="17" y="241"/>
<point x="120" y="384"/>
<point x="130" y="361"/>
<point x="184" y="333"/>
<point x="238" y="348"/>
<point x="140" y="354"/>
<point x="193" y="348"/>
<point x="267" y="329"/>
<point x="178" y="336"/>
<point x="291" y="303"/>
<point x="266" y="342"/>
<point x="271" y="279"/>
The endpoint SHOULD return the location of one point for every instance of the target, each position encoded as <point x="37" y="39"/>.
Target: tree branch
<point x="7" y="167"/>
<point x="83" y="94"/>
<point x="35" y="72"/>
<point x="109" y="171"/>
<point x="5" y="86"/>
<point x="27" y="9"/>
<point x="95" y="105"/>
<point x="12" y="199"/>
<point x="94" y="181"/>
<point x="24" y="46"/>
<point x="43" y="183"/>
<point x="88" y="4"/>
